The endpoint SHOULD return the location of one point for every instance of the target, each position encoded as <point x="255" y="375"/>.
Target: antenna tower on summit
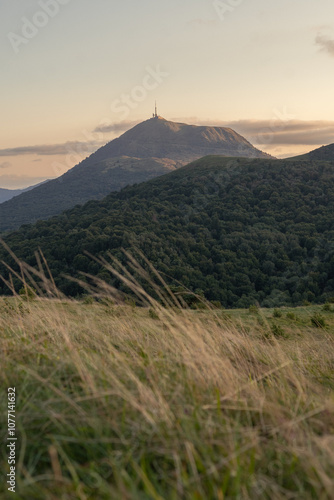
<point x="155" y="114"/>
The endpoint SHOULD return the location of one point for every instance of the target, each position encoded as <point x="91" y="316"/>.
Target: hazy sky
<point x="71" y="67"/>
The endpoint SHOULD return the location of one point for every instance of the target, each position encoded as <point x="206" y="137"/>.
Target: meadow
<point x="161" y="402"/>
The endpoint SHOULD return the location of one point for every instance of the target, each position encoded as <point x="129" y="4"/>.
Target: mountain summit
<point x="160" y="138"/>
<point x="151" y="148"/>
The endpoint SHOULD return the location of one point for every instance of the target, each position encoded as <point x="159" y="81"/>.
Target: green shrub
<point x="88" y="300"/>
<point x="198" y="305"/>
<point x="253" y="309"/>
<point x="277" y="313"/>
<point x="28" y="293"/>
<point x="291" y="315"/>
<point x="278" y="331"/>
<point x="152" y="313"/>
<point x="130" y="302"/>
<point x="327" y="307"/>
<point x="217" y="304"/>
<point x="318" y="321"/>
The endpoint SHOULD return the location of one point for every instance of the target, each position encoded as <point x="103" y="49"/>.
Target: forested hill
<point x="240" y="230"/>
<point x="147" y="150"/>
<point x="325" y="153"/>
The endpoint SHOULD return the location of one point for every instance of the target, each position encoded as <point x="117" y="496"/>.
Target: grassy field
<point x="121" y="402"/>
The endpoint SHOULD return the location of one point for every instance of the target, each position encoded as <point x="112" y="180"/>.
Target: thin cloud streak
<point x="116" y="127"/>
<point x="292" y="132"/>
<point x="53" y="149"/>
<point x="69" y="147"/>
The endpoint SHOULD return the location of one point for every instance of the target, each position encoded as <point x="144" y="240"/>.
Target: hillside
<point x="325" y="153"/>
<point x="78" y="186"/>
<point x="239" y="230"/>
<point x="8" y="194"/>
<point x="148" y="150"/>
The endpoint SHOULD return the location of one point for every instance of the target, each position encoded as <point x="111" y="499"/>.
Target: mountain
<point x="8" y="194"/>
<point x="324" y="153"/>
<point x="160" y="138"/>
<point x="150" y="149"/>
<point x="238" y="230"/>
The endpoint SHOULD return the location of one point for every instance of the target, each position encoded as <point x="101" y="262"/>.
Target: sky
<point x="77" y="73"/>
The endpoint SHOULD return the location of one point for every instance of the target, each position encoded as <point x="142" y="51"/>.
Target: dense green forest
<point x="240" y="231"/>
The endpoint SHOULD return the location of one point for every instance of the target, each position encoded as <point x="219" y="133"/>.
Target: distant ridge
<point x="325" y="153"/>
<point x="8" y="194"/>
<point x="151" y="148"/>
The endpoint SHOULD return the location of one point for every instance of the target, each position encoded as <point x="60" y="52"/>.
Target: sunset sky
<point x="77" y="73"/>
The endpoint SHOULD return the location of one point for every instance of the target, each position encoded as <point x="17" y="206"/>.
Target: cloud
<point x="5" y="164"/>
<point x="326" y="44"/>
<point x="287" y="133"/>
<point x="279" y="132"/>
<point x="116" y="127"/>
<point x="290" y="132"/>
<point x="77" y="147"/>
<point x="72" y="147"/>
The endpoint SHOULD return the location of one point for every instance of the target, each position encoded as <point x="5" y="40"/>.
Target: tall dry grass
<point x="160" y="402"/>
